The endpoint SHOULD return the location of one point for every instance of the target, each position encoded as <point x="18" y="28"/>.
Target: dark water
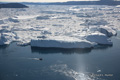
<point x="21" y="63"/>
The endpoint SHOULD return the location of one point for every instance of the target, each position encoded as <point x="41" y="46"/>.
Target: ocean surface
<point x="22" y="63"/>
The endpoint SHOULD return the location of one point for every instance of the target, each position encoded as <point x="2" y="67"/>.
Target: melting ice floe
<point x="65" y="27"/>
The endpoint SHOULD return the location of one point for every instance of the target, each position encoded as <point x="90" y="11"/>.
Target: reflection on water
<point x="103" y="47"/>
<point x="3" y="46"/>
<point x="59" y="50"/>
<point x="67" y="51"/>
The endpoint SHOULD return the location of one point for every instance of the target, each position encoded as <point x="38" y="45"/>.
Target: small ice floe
<point x="23" y="43"/>
<point x="41" y="37"/>
<point x="1" y="22"/>
<point x="25" y="17"/>
<point x="98" y="70"/>
<point x="95" y="22"/>
<point x="13" y="20"/>
<point x="6" y="38"/>
<point x="108" y="31"/>
<point x="99" y="38"/>
<point x="36" y="59"/>
<point x="42" y="17"/>
<point x="118" y="6"/>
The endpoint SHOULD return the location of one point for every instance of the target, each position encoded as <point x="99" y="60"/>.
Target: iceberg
<point x="61" y="42"/>
<point x="108" y="31"/>
<point x="99" y="38"/>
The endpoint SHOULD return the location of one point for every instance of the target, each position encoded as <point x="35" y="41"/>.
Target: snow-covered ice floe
<point x="99" y="38"/>
<point x="6" y="38"/>
<point x="59" y="26"/>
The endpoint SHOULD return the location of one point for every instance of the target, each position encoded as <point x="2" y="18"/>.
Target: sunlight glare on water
<point x="64" y="69"/>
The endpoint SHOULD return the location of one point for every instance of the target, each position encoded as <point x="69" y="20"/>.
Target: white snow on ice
<point x="59" y="26"/>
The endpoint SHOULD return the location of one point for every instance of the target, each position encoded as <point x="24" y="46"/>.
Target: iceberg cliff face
<point x="62" y="42"/>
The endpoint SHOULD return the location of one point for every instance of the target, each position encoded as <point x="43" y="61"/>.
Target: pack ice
<point x="59" y="26"/>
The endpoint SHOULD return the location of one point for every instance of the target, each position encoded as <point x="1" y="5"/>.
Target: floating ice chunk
<point x="25" y="17"/>
<point x="63" y="17"/>
<point x="83" y="15"/>
<point x="106" y="8"/>
<point x="6" y="38"/>
<point x="58" y="25"/>
<point x="99" y="38"/>
<point x="42" y="17"/>
<point x="118" y="6"/>
<point x="62" y="42"/>
<point x="108" y="31"/>
<point x="13" y="20"/>
<point x="74" y="8"/>
<point x="35" y="58"/>
<point x="98" y="70"/>
<point x="78" y="8"/>
<point x="95" y="22"/>
<point x="1" y="22"/>
<point x="4" y="29"/>
<point x="23" y="43"/>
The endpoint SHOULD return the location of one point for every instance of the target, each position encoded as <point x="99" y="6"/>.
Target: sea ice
<point x="13" y="20"/>
<point x="1" y="22"/>
<point x="108" y="31"/>
<point x="42" y="17"/>
<point x="59" y="26"/>
<point x="6" y="38"/>
<point x="99" y="38"/>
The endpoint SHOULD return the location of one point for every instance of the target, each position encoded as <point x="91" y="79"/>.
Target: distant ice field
<point x="59" y="26"/>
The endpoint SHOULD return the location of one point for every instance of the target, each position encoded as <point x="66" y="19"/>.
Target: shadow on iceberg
<point x="42" y="50"/>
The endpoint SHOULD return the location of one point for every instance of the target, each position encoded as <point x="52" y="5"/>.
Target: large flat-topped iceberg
<point x="62" y="42"/>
